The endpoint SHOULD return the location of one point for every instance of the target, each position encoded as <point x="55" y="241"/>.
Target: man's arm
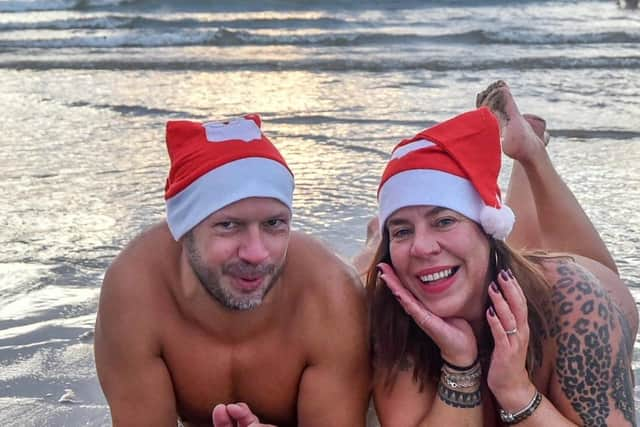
<point x="133" y="376"/>
<point x="335" y="387"/>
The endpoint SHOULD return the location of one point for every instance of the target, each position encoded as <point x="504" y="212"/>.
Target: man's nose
<point x="253" y="248"/>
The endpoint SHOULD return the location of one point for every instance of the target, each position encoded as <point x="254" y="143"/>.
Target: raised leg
<point x="548" y="216"/>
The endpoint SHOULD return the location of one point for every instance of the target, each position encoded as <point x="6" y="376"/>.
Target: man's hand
<point x="235" y="415"/>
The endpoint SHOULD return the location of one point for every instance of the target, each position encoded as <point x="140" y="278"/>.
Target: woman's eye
<point x="400" y="233"/>
<point x="445" y="222"/>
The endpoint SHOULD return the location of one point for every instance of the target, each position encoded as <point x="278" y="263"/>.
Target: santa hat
<point x="215" y="164"/>
<point x="454" y="165"/>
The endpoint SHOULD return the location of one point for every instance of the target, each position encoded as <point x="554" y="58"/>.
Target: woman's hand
<point x="507" y="377"/>
<point x="453" y="336"/>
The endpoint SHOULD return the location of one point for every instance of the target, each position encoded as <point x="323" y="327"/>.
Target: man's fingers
<point x="242" y="414"/>
<point x="220" y="416"/>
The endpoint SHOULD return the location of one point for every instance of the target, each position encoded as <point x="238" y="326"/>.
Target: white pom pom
<point x="497" y="222"/>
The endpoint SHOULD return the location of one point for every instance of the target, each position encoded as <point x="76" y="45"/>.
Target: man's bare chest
<point x="264" y="373"/>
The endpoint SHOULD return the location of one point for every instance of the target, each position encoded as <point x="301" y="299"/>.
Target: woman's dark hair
<point x="397" y="339"/>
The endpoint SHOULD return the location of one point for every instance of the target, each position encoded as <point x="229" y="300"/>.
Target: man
<point x="222" y="306"/>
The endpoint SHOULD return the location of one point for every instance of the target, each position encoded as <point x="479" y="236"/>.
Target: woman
<point x="467" y="330"/>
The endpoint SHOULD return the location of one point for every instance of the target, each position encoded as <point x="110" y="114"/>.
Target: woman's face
<point x="442" y="257"/>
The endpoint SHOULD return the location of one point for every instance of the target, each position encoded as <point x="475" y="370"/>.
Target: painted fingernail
<point x="492" y="312"/>
<point x="510" y="273"/>
<point x="494" y="287"/>
<point x="504" y="275"/>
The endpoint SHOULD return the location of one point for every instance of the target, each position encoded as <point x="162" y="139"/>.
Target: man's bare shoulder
<point x="321" y="269"/>
<point x="334" y="317"/>
<point x="150" y="253"/>
<point x="148" y="248"/>
<point x="138" y="273"/>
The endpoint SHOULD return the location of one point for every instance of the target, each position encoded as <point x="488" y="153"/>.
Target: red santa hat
<point x="455" y="165"/>
<point x="215" y="164"/>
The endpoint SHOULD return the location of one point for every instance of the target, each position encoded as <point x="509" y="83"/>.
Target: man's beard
<point x="211" y="280"/>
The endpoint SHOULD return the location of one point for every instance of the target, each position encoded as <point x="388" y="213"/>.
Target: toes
<point x="481" y="97"/>
<point x="539" y="126"/>
<point x="496" y="101"/>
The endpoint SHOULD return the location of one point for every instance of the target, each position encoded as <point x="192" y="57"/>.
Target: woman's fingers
<point x="508" y="315"/>
<point x="454" y="337"/>
<point x="509" y="300"/>
<point x="406" y="299"/>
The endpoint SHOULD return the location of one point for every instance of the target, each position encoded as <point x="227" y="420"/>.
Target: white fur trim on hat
<point x="428" y="187"/>
<point x="227" y="184"/>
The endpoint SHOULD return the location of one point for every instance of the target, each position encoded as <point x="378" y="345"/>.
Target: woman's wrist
<point x="460" y="363"/>
<point x="514" y="417"/>
<point x="460" y="386"/>
<point x="515" y="398"/>
<point x="459" y="367"/>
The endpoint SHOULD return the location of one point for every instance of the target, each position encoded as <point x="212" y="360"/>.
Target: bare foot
<point x="363" y="260"/>
<point x="519" y="140"/>
<point x="373" y="232"/>
<point x="539" y="126"/>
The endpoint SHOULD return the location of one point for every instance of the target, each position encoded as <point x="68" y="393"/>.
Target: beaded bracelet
<point x="460" y="368"/>
<point x="511" y="418"/>
<point x="466" y="379"/>
<point x="460" y="381"/>
<point x="461" y="389"/>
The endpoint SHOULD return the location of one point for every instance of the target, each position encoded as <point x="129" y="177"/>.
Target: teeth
<point x="436" y="276"/>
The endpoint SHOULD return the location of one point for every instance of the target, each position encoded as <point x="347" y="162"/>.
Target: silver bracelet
<point x="524" y="413"/>
<point x="466" y="379"/>
<point x="461" y="381"/>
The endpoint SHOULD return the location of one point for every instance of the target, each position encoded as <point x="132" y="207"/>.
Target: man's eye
<point x="225" y="225"/>
<point x="275" y="223"/>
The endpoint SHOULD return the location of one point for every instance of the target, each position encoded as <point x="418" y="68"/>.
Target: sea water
<point x="86" y="87"/>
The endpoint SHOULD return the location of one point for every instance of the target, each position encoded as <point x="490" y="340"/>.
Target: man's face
<point x="238" y="252"/>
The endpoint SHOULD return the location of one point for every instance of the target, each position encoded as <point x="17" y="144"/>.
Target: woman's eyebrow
<point x="397" y="221"/>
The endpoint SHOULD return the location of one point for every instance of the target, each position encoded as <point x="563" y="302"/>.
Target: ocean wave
<point x="314" y="119"/>
<point x="534" y="38"/>
<point x="221" y="37"/>
<point x="146" y="32"/>
<point x="109" y="22"/>
<point x="238" y="5"/>
<point x="133" y="110"/>
<point x="56" y="5"/>
<point x="595" y="134"/>
<point x="372" y="65"/>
